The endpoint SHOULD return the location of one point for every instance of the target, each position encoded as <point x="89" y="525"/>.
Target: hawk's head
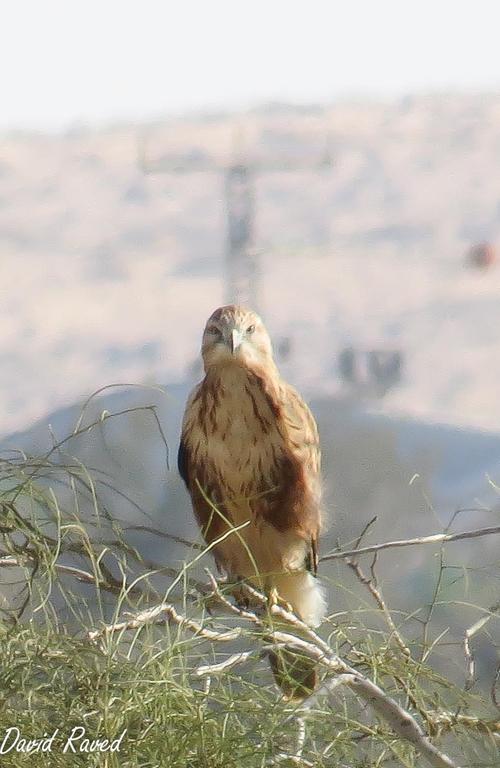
<point x="235" y="336"/>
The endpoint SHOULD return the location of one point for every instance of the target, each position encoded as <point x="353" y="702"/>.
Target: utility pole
<point x="242" y="259"/>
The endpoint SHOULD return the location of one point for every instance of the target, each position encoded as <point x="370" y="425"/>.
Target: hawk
<point x="249" y="453"/>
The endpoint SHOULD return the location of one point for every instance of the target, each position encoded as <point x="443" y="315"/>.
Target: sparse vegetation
<point x="93" y="634"/>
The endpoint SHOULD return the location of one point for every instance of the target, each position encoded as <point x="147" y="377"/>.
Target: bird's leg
<point x="241" y="598"/>
<point x="275" y="599"/>
<point x="273" y="596"/>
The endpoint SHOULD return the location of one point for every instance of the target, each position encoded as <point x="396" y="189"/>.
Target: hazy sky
<point x="98" y="60"/>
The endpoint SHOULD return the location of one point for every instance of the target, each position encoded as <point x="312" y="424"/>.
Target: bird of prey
<point x="249" y="453"/>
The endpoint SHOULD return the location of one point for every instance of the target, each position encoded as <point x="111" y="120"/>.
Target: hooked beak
<point x="235" y="340"/>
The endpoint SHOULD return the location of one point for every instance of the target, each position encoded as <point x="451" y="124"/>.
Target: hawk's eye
<point x="213" y="330"/>
<point x="251" y="329"/>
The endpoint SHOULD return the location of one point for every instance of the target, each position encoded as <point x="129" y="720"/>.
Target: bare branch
<point x="229" y="663"/>
<point x="401" y="722"/>
<point x="398" y="718"/>
<point x="436" y="538"/>
<point x="163" y="614"/>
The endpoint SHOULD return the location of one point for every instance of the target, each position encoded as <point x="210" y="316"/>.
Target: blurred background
<point x="333" y="164"/>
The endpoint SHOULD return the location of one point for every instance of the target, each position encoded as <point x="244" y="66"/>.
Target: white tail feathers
<point x="304" y="593"/>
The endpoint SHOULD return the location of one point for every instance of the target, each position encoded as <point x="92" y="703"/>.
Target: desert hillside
<point x="108" y="272"/>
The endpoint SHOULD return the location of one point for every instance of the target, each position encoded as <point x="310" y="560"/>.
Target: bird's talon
<point x="275" y="600"/>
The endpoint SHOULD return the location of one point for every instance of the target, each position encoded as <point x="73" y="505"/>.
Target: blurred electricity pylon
<point x="370" y="372"/>
<point x="242" y="257"/>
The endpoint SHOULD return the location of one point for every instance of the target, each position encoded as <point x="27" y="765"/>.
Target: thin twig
<point x="468" y="653"/>
<point x="426" y="647"/>
<point x="470" y="664"/>
<point x="494" y="684"/>
<point x="374" y="590"/>
<point x="110" y="584"/>
<point x="165" y="535"/>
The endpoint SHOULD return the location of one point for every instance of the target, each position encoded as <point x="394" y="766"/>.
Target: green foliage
<point x="67" y="568"/>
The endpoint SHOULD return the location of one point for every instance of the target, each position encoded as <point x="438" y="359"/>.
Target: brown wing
<point x="200" y="478"/>
<point x="302" y="428"/>
<point x="302" y="435"/>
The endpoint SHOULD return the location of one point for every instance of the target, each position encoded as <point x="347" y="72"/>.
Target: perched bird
<point x="249" y="453"/>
